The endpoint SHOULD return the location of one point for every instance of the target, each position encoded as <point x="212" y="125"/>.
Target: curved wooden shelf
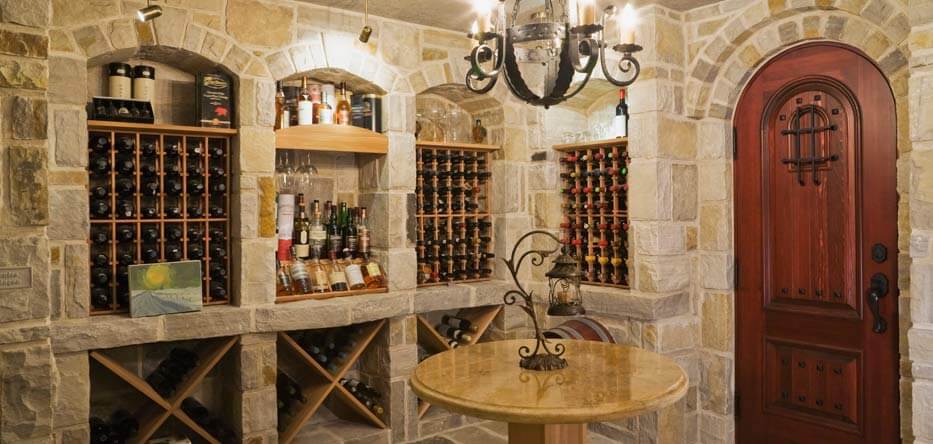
<point x="619" y="141"/>
<point x="335" y="138"/>
<point x="457" y="146"/>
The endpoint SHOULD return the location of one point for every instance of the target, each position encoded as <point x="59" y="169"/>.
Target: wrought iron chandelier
<point x="564" y="40"/>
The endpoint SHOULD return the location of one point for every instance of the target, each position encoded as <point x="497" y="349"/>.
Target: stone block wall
<point x="694" y="66"/>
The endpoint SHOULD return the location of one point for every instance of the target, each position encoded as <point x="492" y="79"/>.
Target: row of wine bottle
<point x="170" y="373"/>
<point x="457" y="330"/>
<point x="211" y="423"/>
<point x="120" y="428"/>
<point x="330" y="348"/>
<point x="149" y="147"/>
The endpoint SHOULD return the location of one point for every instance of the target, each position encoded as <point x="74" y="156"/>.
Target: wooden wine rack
<point x="155" y="413"/>
<point x="319" y="385"/>
<point x="160" y="135"/>
<point x="431" y="340"/>
<point x="432" y="268"/>
<point x="594" y="207"/>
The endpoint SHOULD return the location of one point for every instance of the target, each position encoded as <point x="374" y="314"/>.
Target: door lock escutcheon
<point x="879" y="253"/>
<point x="877" y="289"/>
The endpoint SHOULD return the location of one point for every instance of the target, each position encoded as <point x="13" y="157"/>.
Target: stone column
<point x="25" y="354"/>
<point x="918" y="382"/>
<point x="387" y="365"/>
<point x="255" y="412"/>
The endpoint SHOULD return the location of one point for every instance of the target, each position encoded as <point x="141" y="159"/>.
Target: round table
<point x="602" y="382"/>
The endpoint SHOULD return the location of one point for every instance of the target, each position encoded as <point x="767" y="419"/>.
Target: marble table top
<point x="602" y="382"/>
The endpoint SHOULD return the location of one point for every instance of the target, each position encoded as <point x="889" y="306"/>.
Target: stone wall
<point x="694" y="66"/>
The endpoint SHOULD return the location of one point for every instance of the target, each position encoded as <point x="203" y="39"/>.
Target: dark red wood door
<point x="816" y="251"/>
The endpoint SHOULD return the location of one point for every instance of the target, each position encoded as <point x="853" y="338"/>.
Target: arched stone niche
<point x="487" y="108"/>
<point x="176" y="70"/>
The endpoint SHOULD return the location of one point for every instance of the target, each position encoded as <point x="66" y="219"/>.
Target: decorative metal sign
<point x="12" y="278"/>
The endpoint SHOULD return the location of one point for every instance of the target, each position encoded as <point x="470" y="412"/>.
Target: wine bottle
<point x="100" y="276"/>
<point x="620" y="122"/>
<point x="125" y="164"/>
<point x="195" y="210"/>
<point x="126" y="256"/>
<point x="354" y="272"/>
<point x="150" y="254"/>
<point x="150" y="234"/>
<point x="126" y="209"/>
<point x="195" y="251"/>
<point x="99" y="164"/>
<point x="173" y="252"/>
<point x="218" y="271"/>
<point x="338" y="276"/>
<point x="173" y="233"/>
<point x="284" y="279"/>
<point x="459" y="323"/>
<point x="454" y="333"/>
<point x="126" y="144"/>
<point x="218" y="291"/>
<point x="173" y="185"/>
<point x="301" y="279"/>
<point x="148" y="210"/>
<point x="100" y="209"/>
<point x="100" y="236"/>
<point x="99" y="143"/>
<point x="125" y="233"/>
<point x="195" y="186"/>
<point x="100" y="297"/>
<point x="217" y="211"/>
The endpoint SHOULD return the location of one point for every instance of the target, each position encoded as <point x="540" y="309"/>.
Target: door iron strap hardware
<point x="799" y="160"/>
<point x="877" y="289"/>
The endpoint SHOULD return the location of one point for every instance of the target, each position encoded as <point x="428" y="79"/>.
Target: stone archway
<point x="714" y="82"/>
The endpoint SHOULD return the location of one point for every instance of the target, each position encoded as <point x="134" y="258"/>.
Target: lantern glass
<point x="564" y="295"/>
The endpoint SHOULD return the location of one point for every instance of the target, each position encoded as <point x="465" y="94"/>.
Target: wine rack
<point x="158" y="409"/>
<point x="454" y="229"/>
<point x="432" y="340"/>
<point x="594" y="207"/>
<point x="319" y="385"/>
<point x="158" y="193"/>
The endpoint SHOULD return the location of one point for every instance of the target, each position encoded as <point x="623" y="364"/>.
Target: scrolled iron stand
<point x="542" y="357"/>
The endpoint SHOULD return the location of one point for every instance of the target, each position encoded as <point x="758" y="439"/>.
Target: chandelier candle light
<point x="566" y="41"/>
<point x="564" y="299"/>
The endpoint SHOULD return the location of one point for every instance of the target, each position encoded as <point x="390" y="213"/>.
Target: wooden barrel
<point x="584" y="329"/>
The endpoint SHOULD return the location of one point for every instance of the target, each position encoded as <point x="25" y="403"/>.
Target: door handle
<point x="877" y="289"/>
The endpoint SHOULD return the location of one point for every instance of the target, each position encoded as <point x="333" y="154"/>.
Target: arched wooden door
<point x="816" y="251"/>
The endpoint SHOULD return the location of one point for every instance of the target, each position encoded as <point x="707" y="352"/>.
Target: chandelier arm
<point x="627" y="57"/>
<point x="483" y="50"/>
<point x="591" y="59"/>
<point x="482" y="90"/>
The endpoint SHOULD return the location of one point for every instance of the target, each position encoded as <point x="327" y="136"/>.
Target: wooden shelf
<point x="334" y="138"/>
<point x="457" y="146"/>
<point x="160" y="409"/>
<point x="319" y="385"/>
<point x="328" y="295"/>
<point x="620" y="141"/>
<point x="158" y="128"/>
<point x="430" y="339"/>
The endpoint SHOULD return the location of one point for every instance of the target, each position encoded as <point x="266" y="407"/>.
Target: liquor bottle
<point x="343" y="111"/>
<point x="325" y="113"/>
<point x="281" y="110"/>
<point x="317" y="235"/>
<point x="459" y="323"/>
<point x="316" y="102"/>
<point x="302" y="230"/>
<point x="337" y="275"/>
<point x="299" y="274"/>
<point x="620" y="122"/>
<point x="372" y="272"/>
<point x="479" y="132"/>
<point x="334" y="234"/>
<point x="320" y="283"/>
<point x="353" y="271"/>
<point x="305" y="107"/>
<point x="100" y="208"/>
<point x="284" y="282"/>
<point x="351" y="232"/>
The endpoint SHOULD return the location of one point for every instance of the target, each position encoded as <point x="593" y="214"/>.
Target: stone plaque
<point x="15" y="277"/>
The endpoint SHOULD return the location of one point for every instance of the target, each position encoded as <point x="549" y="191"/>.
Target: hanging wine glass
<point x="455" y="125"/>
<point x="306" y="172"/>
<point x="285" y="174"/>
<point x="438" y="116"/>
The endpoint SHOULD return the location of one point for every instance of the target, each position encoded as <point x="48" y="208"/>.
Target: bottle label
<point x="299" y="271"/>
<point x="320" y="281"/>
<point x="364" y="242"/>
<point x="343" y="117"/>
<point x="352" y="243"/>
<point x="303" y="237"/>
<point x="337" y="277"/>
<point x="326" y="115"/>
<point x="302" y="250"/>
<point x="355" y="275"/>
<point x="305" y="113"/>
<point x="336" y="242"/>
<point x="286" y="216"/>
<point x="373" y="270"/>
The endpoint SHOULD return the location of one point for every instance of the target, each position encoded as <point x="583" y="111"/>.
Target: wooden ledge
<point x="334" y="138"/>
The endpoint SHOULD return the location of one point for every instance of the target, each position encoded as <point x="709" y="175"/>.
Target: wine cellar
<point x="594" y="187"/>
<point x="454" y="225"/>
<point x="158" y="194"/>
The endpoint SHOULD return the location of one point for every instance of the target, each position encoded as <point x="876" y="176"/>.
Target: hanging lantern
<point x="564" y="296"/>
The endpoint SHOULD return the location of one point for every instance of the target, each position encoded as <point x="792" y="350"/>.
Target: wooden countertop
<point x="602" y="382"/>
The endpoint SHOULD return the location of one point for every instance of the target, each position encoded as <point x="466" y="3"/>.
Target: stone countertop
<point x="602" y="382"/>
<point x="119" y="330"/>
<point x="110" y="331"/>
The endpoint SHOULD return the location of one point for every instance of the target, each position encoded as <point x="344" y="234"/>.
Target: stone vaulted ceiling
<point x="458" y="14"/>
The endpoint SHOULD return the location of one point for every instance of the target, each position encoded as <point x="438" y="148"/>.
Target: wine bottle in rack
<point x="459" y="323"/>
<point x="173" y="252"/>
<point x="99" y="164"/>
<point x="454" y="333"/>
